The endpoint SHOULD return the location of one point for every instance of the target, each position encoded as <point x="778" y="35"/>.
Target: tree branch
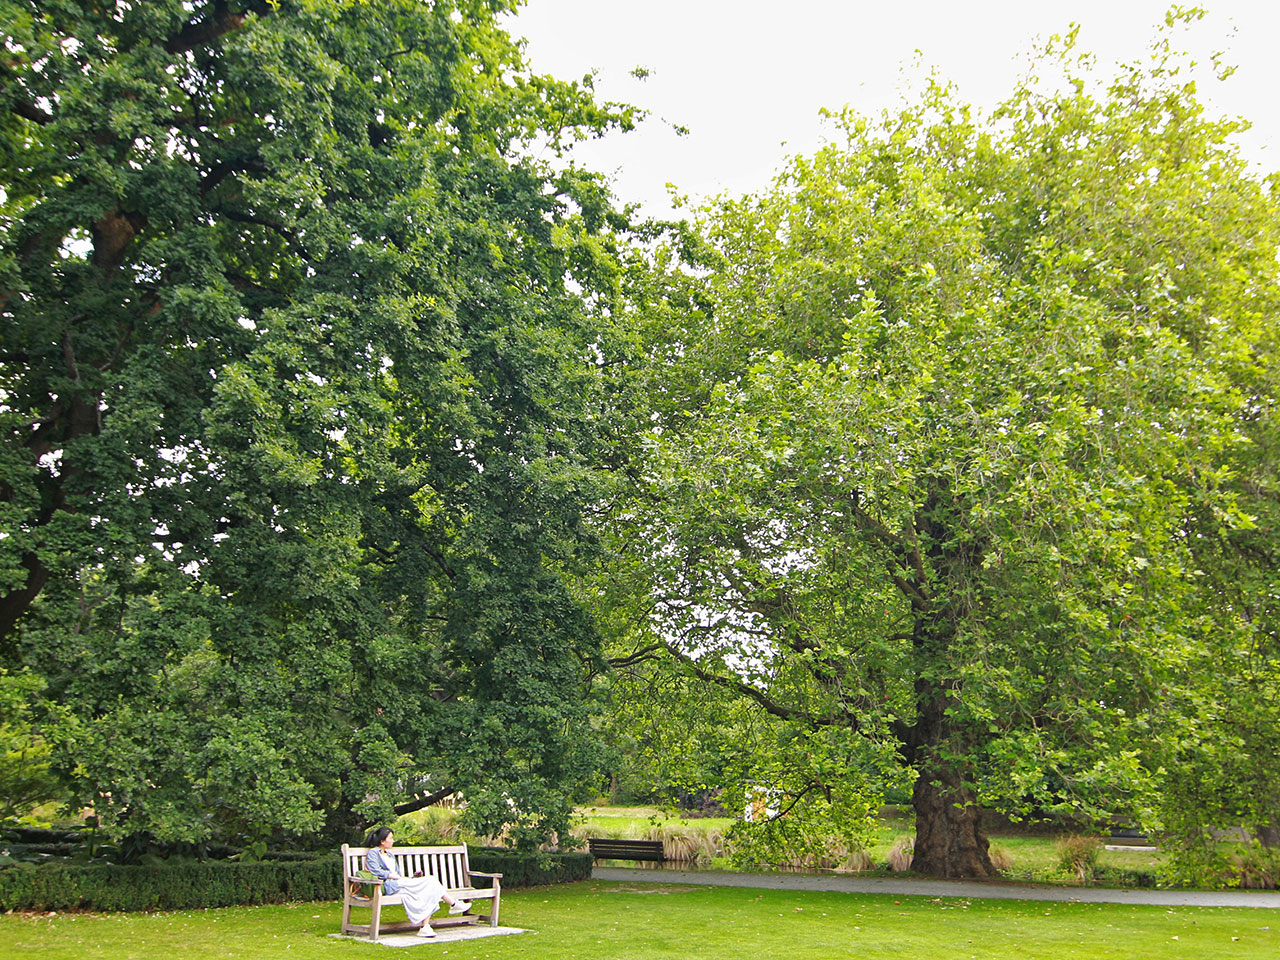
<point x="796" y="799"/>
<point x="23" y="108"/>
<point x="220" y="171"/>
<point x="220" y="21"/>
<point x="29" y="111"/>
<point x="770" y="705"/>
<point x="278" y="229"/>
<point x="423" y="801"/>
<point x="636" y="656"/>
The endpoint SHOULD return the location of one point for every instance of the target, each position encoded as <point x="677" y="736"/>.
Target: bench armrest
<point x="477" y="873"/>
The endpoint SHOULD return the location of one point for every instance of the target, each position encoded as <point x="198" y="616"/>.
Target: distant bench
<point x="605" y="848"/>
<point x="1129" y="836"/>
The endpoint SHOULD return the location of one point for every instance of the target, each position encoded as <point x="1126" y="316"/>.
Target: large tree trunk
<point x="949" y="840"/>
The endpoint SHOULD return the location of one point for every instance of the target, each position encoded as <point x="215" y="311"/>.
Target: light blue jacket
<point x="383" y="866"/>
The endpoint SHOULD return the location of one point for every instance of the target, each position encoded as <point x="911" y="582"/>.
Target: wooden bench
<point x="449" y="865"/>
<point x="605" y="848"/>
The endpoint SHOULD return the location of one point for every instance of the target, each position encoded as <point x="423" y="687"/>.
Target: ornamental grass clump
<point x="1256" y="869"/>
<point x="682" y="842"/>
<point x="855" y="860"/>
<point x="434" y="826"/>
<point x="1001" y="858"/>
<point x="1078" y="855"/>
<point x="901" y="854"/>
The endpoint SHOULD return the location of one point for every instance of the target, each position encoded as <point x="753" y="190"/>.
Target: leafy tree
<point x="306" y="362"/>
<point x="956" y="463"/>
<point x="26" y="780"/>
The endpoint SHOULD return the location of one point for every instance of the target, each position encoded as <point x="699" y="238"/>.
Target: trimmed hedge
<point x="195" y="884"/>
<point x="182" y="886"/>
<point x="39" y="835"/>
<point x="529" y="870"/>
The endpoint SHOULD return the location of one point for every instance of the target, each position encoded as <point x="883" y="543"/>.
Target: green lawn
<point x="637" y="822"/>
<point x="619" y="921"/>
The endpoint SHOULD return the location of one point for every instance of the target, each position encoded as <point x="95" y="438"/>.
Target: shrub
<point x="296" y="856"/>
<point x="1078" y="855"/>
<point x="21" y="834"/>
<point x="193" y="884"/>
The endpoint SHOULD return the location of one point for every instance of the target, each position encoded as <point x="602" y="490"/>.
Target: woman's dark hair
<point x="377" y="835"/>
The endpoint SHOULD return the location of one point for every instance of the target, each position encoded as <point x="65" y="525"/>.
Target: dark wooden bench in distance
<point x="604" y="848"/>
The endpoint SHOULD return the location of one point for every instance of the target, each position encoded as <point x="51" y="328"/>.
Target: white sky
<point x="749" y="78"/>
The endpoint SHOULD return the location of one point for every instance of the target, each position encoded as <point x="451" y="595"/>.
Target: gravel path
<point x="944" y="888"/>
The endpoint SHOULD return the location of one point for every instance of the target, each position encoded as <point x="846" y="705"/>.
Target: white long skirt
<point x="421" y="896"/>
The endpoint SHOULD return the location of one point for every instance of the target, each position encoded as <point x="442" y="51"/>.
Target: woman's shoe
<point x="426" y="931"/>
<point x="459" y="906"/>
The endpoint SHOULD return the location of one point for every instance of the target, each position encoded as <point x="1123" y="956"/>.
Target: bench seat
<point x="606" y="848"/>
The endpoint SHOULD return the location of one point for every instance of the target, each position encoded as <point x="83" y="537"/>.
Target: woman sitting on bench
<point x="420" y="895"/>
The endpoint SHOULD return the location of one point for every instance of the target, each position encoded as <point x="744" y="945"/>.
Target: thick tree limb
<point x="111" y="236"/>
<point x="918" y="600"/>
<point x="222" y="19"/>
<point x="423" y="801"/>
<point x="29" y="111"/>
<point x="905" y="553"/>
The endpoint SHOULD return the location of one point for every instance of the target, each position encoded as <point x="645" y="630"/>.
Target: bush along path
<point x="945" y="888"/>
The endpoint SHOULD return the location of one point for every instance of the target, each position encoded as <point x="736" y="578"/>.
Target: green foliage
<point x="26" y="780"/>
<point x="962" y="469"/>
<point x="307" y="366"/>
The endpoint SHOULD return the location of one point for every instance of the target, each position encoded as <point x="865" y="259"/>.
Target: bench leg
<point x="377" y="916"/>
<point x="346" y="914"/>
<point x="493" y="905"/>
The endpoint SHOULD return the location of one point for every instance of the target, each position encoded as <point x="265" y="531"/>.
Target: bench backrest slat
<point x="449" y="865"/>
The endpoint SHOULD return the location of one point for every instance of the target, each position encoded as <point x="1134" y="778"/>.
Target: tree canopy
<point x="305" y="387"/>
<point x="947" y="464"/>
<point x="963" y="467"/>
